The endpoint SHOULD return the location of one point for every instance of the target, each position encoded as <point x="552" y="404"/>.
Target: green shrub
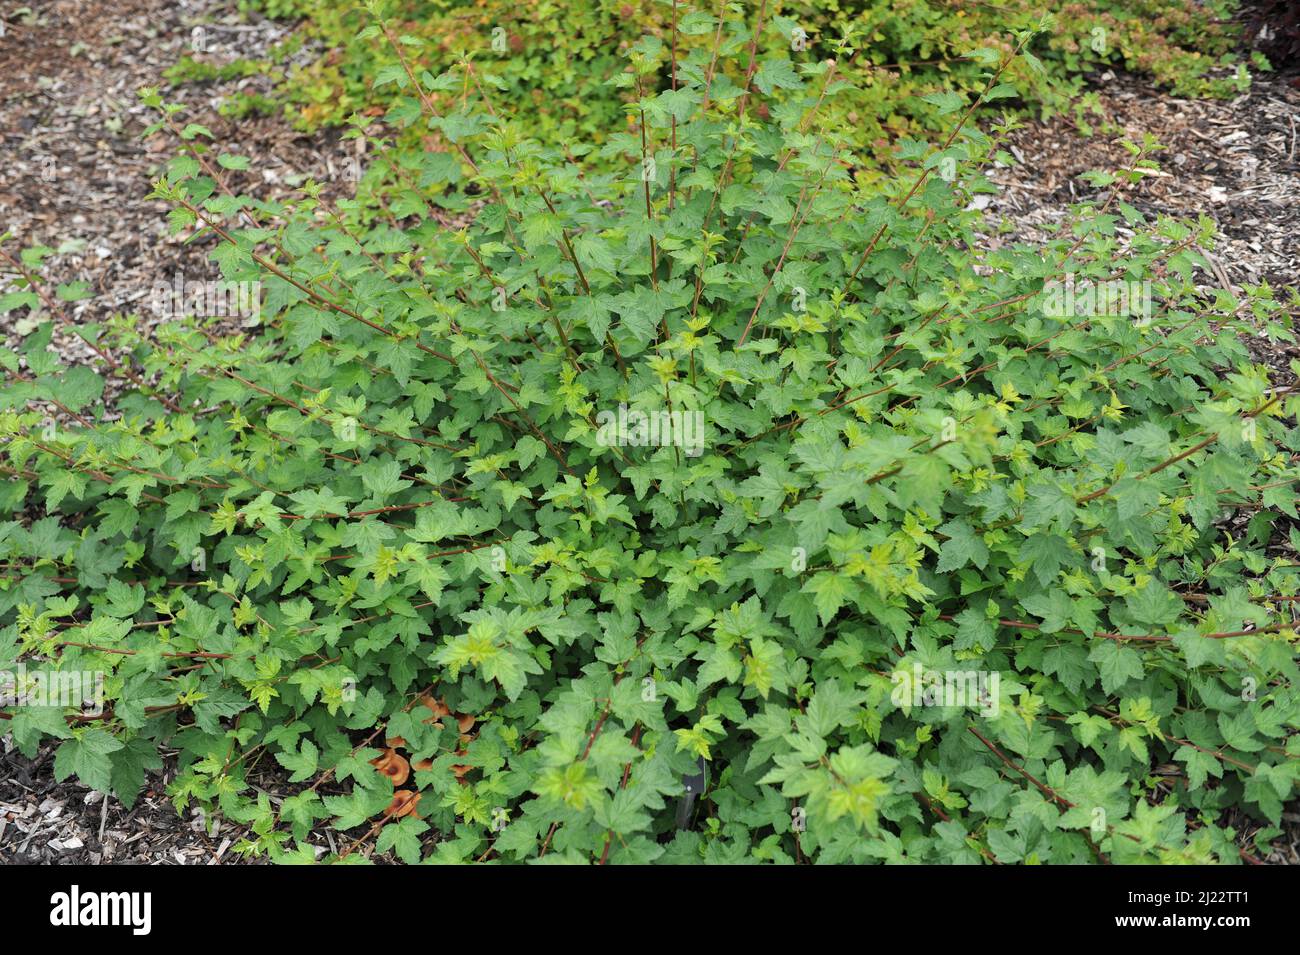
<point x="402" y="513"/>
<point x="549" y="60"/>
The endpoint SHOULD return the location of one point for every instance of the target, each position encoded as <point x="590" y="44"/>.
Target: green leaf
<point x="830" y="591"/>
<point x="1116" y="663"/>
<point x="1154" y="605"/>
<point x="87" y="756"/>
<point x="124" y="600"/>
<point x="402" y="838"/>
<point x="130" y="763"/>
<point x="964" y="546"/>
<point x="302" y="763"/>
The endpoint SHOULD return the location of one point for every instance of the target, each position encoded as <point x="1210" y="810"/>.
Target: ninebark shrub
<point x="969" y="558"/>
